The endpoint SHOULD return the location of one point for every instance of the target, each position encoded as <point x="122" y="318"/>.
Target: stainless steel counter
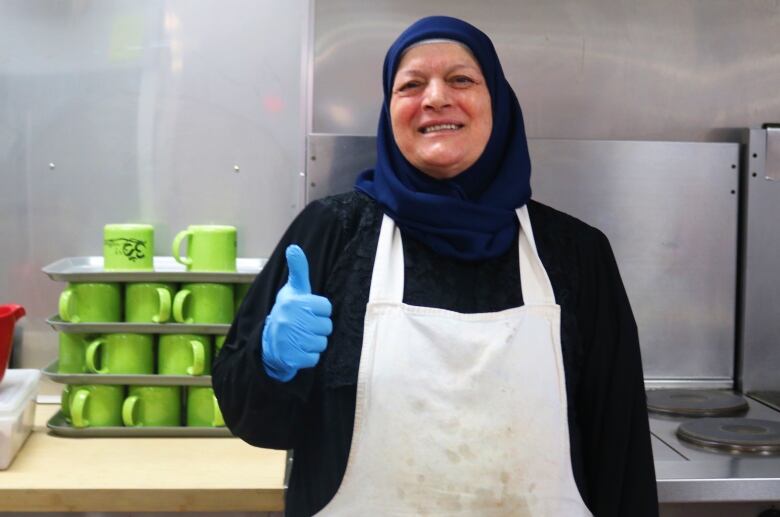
<point x="686" y="473"/>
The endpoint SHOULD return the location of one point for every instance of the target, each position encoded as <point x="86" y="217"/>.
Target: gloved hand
<point x="296" y="330"/>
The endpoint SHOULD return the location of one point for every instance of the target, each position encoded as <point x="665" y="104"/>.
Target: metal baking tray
<point x="166" y="269"/>
<point x="137" y="328"/>
<point x="58" y="425"/>
<point x="107" y="378"/>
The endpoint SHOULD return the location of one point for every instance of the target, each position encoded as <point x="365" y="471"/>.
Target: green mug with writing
<point x="204" y="303"/>
<point x="73" y="353"/>
<point x="98" y="405"/>
<point x="202" y="408"/>
<point x="184" y="354"/>
<point x="128" y="354"/>
<point x="152" y="406"/>
<point x="148" y="302"/>
<point x="128" y="247"/>
<point x="88" y="302"/>
<point x="209" y="248"/>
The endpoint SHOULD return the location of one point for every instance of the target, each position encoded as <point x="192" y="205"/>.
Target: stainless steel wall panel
<point x="760" y="337"/>
<point x="591" y="69"/>
<point x="144" y="110"/>
<point x="670" y="212"/>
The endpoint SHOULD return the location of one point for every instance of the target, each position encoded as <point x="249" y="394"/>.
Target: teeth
<point x="440" y="127"/>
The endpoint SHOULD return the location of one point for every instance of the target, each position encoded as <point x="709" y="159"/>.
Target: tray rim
<point x="123" y="327"/>
<point x="58" y="426"/>
<point x="50" y="373"/>
<point x="233" y="277"/>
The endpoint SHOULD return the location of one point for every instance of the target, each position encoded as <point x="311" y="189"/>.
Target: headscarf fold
<point x="472" y="215"/>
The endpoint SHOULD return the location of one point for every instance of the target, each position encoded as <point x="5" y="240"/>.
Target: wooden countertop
<point x="53" y="473"/>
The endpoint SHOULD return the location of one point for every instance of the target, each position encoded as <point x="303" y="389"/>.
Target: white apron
<point x="459" y="414"/>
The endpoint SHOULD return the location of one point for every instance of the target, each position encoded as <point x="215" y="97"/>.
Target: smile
<point x="440" y="127"/>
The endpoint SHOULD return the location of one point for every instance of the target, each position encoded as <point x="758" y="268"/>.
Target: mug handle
<point x="128" y="410"/>
<point x="77" y="411"/>
<point x="178" y="306"/>
<point x="164" y="296"/>
<point x="187" y="261"/>
<point x="64" y="403"/>
<point x="198" y="358"/>
<point x="92" y="350"/>
<point x="66" y="298"/>
<point x="218" y="420"/>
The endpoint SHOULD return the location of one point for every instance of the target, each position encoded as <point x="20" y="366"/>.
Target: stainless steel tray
<point x="166" y="269"/>
<point x="58" y="425"/>
<point x="143" y="380"/>
<point x="137" y="328"/>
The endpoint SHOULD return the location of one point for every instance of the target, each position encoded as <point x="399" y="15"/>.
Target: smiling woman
<point x="435" y="342"/>
<point x="440" y="108"/>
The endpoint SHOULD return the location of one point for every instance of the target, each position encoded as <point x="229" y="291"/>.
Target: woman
<point x="483" y="360"/>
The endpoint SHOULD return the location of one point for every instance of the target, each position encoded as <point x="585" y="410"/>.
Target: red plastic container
<point x="9" y="314"/>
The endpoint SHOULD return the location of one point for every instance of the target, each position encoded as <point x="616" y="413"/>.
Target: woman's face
<point x="440" y="109"/>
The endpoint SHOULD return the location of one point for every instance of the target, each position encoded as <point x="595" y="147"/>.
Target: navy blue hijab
<point x="471" y="216"/>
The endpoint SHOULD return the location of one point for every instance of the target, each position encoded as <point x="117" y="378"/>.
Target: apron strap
<point x="387" y="279"/>
<point x="536" y="286"/>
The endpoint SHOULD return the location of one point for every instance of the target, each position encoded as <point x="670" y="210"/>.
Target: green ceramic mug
<point x="241" y="290"/>
<point x="148" y="302"/>
<point x="184" y="354"/>
<point x="204" y="303"/>
<point x="152" y="406"/>
<point x="131" y="354"/>
<point x="98" y="405"/>
<point x="202" y="408"/>
<point x="128" y="247"/>
<point x="219" y="342"/>
<point x="91" y="303"/>
<point x="73" y="353"/>
<point x="209" y="248"/>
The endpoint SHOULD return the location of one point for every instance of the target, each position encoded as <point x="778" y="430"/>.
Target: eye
<point x="408" y="85"/>
<point x="462" y="81"/>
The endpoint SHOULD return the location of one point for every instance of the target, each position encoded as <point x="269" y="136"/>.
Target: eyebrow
<point x="414" y="71"/>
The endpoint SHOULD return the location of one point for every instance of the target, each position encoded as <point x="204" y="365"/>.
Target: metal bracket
<point x="772" y="166"/>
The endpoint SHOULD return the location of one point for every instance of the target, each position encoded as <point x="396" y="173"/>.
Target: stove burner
<point x="733" y="434"/>
<point x="698" y="403"/>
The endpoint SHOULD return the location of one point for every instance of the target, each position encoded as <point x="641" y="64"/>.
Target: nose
<point x="436" y="95"/>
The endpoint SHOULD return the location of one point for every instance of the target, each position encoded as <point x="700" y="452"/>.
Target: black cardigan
<point x="314" y="413"/>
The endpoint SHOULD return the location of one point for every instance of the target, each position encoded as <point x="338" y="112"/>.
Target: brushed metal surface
<point x="701" y="475"/>
<point x="51" y="372"/>
<point x="670" y="212"/>
<point x="772" y="171"/>
<point x="166" y="269"/>
<point x="141" y="111"/>
<point x="685" y="70"/>
<point x="760" y="335"/>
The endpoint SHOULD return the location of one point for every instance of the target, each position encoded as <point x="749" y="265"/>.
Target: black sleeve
<point x="258" y="409"/>
<point x="617" y="452"/>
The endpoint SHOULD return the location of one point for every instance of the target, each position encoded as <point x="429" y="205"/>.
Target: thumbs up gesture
<point x="297" y="329"/>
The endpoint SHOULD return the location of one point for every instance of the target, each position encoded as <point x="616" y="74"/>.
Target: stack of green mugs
<point x="130" y="248"/>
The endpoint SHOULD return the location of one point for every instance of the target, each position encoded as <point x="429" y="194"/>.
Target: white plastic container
<point x="17" y="411"/>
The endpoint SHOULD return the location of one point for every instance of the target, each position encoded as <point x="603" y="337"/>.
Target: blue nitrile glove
<point x="297" y="330"/>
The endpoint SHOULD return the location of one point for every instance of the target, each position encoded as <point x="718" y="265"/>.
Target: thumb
<point x="298" y="267"/>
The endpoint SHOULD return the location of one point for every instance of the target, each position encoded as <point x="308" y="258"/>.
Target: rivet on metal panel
<point x="236" y="168"/>
<point x="51" y="165"/>
<point x="313" y="157"/>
